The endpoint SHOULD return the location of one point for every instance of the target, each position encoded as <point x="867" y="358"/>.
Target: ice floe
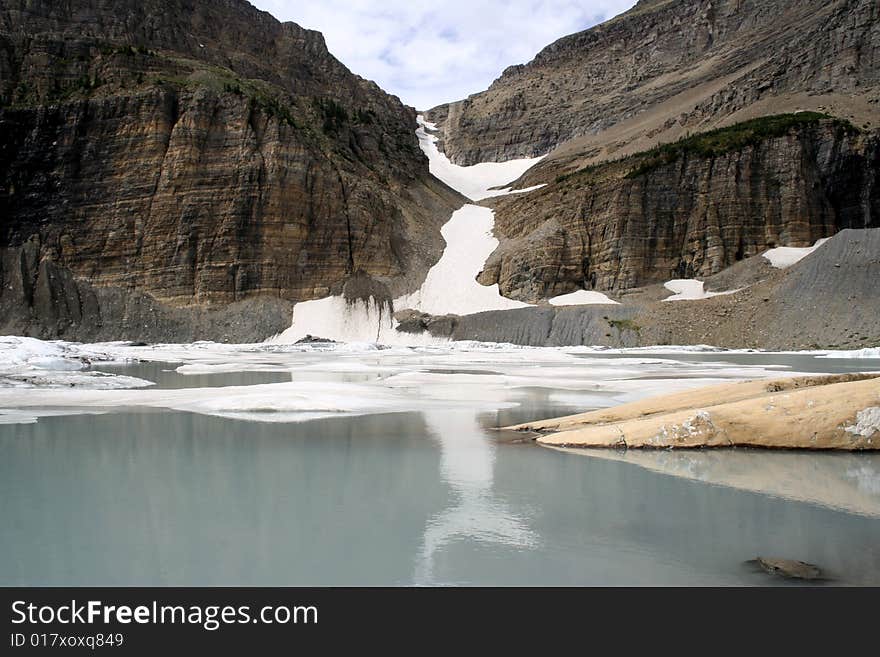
<point x="32" y="363"/>
<point x="870" y="352"/>
<point x="334" y="380"/>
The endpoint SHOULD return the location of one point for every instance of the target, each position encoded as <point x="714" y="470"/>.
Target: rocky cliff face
<point x="670" y="67"/>
<point x="828" y="300"/>
<point x="687" y="210"/>
<point x="195" y="155"/>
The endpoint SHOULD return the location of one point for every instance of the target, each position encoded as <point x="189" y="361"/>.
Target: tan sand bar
<point x="817" y="412"/>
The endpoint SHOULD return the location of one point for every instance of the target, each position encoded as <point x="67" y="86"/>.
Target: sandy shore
<point x="818" y="412"/>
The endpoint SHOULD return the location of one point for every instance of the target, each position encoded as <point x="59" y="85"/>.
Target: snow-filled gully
<point x="450" y="286"/>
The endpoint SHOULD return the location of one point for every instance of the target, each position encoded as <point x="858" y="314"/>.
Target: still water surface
<point x="160" y="497"/>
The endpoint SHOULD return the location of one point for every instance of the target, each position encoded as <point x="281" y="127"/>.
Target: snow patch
<point x="581" y="298"/>
<point x="450" y="286"/>
<point x="785" y="256"/>
<point x="476" y="181"/>
<point x="689" y="289"/>
<point x="524" y="190"/>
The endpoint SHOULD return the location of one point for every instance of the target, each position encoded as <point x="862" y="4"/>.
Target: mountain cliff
<point x="681" y="138"/>
<point x="189" y="169"/>
<point x="688" y="209"/>
<point x="669" y="67"/>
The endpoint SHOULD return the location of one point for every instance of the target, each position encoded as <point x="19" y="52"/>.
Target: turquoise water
<point x="154" y="497"/>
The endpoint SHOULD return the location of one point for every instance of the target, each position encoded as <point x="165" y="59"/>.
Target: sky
<point x="432" y="53"/>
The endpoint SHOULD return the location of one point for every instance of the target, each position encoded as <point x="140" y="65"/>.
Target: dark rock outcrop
<point x="413" y="321"/>
<point x="180" y="160"/>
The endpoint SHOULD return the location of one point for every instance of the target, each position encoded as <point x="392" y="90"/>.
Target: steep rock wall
<point x="643" y="220"/>
<point x="202" y="154"/>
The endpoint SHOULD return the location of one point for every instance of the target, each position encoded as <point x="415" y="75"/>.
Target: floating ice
<point x="333" y="380"/>
<point x="33" y="363"/>
<point x="870" y="352"/>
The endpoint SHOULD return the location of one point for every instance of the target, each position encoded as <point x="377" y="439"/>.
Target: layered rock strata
<point x="199" y="156"/>
<point x="834" y="412"/>
<point x="666" y="68"/>
<point x="687" y="210"/>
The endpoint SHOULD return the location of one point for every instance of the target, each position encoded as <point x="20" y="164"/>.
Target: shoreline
<point x="833" y="412"/>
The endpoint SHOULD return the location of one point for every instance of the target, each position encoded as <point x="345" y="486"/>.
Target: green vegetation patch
<point x="624" y="325"/>
<point x="714" y="143"/>
<point x="733" y="138"/>
<point x="274" y="107"/>
<point x="333" y="115"/>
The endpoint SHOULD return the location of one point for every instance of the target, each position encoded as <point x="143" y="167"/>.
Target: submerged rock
<point x="312" y="339"/>
<point x="789" y="568"/>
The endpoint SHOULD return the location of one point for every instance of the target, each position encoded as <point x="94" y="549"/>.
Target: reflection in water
<point x="156" y="497"/>
<point x="466" y="464"/>
<point x="181" y="499"/>
<point x="867" y="478"/>
<point x="838" y="480"/>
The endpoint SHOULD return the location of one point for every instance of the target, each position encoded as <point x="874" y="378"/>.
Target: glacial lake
<point x="127" y="494"/>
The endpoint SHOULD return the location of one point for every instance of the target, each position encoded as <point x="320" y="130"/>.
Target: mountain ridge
<point x="586" y="83"/>
<point x="648" y="87"/>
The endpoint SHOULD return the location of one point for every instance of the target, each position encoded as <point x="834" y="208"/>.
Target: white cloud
<point x="431" y="53"/>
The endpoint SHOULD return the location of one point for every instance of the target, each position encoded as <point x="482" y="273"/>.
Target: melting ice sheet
<point x="332" y="380"/>
<point x="32" y="363"/>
